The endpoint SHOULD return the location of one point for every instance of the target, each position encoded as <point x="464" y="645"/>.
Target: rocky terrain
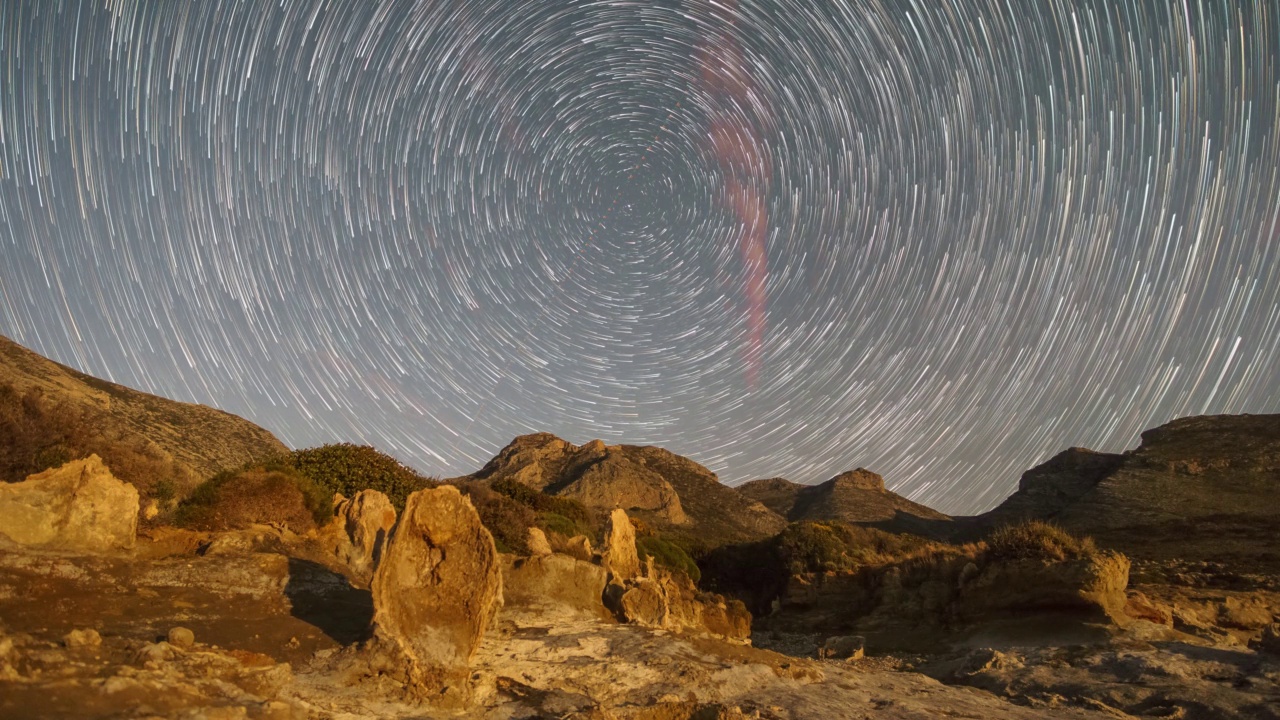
<point x="841" y="600"/>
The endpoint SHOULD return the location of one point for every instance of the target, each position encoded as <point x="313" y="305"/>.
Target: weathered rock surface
<point x="78" y="507"/>
<point x="618" y="555"/>
<point x="670" y="492"/>
<point x="538" y="544"/>
<point x="435" y="593"/>
<point x="858" y="497"/>
<point x="1095" y="584"/>
<point x="359" y="530"/>
<point x="558" y="580"/>
<point x="911" y="606"/>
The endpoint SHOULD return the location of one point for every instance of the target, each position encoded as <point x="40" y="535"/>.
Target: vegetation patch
<point x="667" y="554"/>
<point x="1038" y="540"/>
<point x="274" y="494"/>
<point x="507" y="520"/>
<point x="347" y="469"/>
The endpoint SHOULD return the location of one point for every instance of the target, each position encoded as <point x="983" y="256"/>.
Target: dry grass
<point x="1038" y="540"/>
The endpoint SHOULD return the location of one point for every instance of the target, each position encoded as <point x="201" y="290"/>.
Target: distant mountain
<point x="857" y="497"/>
<point x="670" y="492"/>
<point x="1198" y="488"/>
<point x="50" y="413"/>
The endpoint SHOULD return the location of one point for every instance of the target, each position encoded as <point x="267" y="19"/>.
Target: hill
<point x="1198" y="488"/>
<point x="858" y="497"/>
<point x="673" y="494"/>
<point x="50" y="413"/>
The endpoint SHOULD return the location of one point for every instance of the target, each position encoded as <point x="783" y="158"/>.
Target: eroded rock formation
<point x="359" y="531"/>
<point x="435" y="592"/>
<point x="80" y="507"/>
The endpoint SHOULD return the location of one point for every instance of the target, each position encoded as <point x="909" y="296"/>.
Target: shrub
<point x="506" y="519"/>
<point x="582" y="521"/>
<point x="557" y="523"/>
<point x="667" y="554"/>
<point x="237" y="499"/>
<point x="348" y="469"/>
<point x="1037" y="540"/>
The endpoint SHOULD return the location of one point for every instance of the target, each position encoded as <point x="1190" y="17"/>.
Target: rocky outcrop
<point x="953" y="592"/>
<point x="858" y="497"/>
<point x="79" y="507"/>
<point x="555" y="580"/>
<point x="669" y="492"/>
<point x="1094" y="584"/>
<point x="618" y="554"/>
<point x="1197" y="488"/>
<point x="613" y="481"/>
<point x="358" y="533"/>
<point x="435" y="593"/>
<point x="668" y="600"/>
<point x="652" y="596"/>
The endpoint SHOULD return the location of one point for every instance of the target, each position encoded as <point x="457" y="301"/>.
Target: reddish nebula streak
<point x="736" y="143"/>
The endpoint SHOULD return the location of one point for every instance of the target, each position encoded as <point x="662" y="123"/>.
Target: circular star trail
<point x="941" y="240"/>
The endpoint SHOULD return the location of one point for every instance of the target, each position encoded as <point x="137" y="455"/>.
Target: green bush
<point x="1038" y="540"/>
<point x="237" y="499"/>
<point x="507" y="520"/>
<point x="555" y="522"/>
<point x="583" y="520"/>
<point x="348" y="469"/>
<point x="667" y="554"/>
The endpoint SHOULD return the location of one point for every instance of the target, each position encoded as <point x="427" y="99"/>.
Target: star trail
<point x="942" y="240"/>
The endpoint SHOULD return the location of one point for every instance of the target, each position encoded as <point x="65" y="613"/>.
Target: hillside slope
<point x="857" y="497"/>
<point x="50" y="413"/>
<point x="672" y="493"/>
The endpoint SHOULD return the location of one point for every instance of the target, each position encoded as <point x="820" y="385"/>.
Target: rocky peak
<point x="860" y="479"/>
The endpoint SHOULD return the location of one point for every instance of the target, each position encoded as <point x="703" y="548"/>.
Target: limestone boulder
<point x="435" y="592"/>
<point x="558" y="581"/>
<point x="358" y="533"/>
<point x="78" y="507"/>
<point x="579" y="546"/>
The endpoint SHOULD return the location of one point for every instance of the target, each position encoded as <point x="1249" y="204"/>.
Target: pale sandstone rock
<point x="87" y="637"/>
<point x="558" y="580"/>
<point x="619" y="553"/>
<point x="579" y="546"/>
<point x="181" y="637"/>
<point x="537" y="542"/>
<point x="79" y="507"/>
<point x="359" y="530"/>
<point x="435" y="593"/>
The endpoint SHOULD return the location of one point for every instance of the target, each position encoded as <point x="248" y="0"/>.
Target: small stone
<point x="82" y="638"/>
<point x="182" y="638"/>
<point x="843" y="647"/>
<point x="155" y="652"/>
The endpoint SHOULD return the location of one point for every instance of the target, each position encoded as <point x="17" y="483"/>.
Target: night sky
<point x="940" y="239"/>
